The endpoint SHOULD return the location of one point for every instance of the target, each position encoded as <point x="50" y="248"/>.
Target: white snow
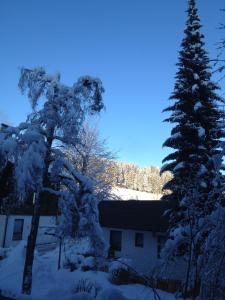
<point x="203" y="184"/>
<point x="202" y="170"/>
<point x="197" y="105"/>
<point x="201" y="132"/>
<point x="52" y="284"/>
<point x="196" y="76"/>
<point x="179" y="166"/>
<point x="175" y="136"/>
<point x="194" y="87"/>
<point x="128" y="194"/>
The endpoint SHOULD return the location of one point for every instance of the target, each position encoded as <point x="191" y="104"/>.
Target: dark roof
<point x="146" y="215"/>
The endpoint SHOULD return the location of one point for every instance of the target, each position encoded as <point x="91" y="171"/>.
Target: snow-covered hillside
<point x="128" y="194"/>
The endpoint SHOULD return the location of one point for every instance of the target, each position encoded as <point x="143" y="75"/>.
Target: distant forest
<point x="144" y="179"/>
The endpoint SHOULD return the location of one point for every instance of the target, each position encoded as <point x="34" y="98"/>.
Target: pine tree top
<point x="195" y="113"/>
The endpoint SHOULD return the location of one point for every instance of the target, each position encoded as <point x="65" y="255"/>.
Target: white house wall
<point x="2" y="229"/>
<point x="47" y="224"/>
<point x="143" y="258"/>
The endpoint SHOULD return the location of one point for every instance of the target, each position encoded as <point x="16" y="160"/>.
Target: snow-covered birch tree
<point x="36" y="149"/>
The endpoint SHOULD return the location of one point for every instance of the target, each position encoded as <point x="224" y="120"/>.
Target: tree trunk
<point x="187" y="273"/>
<point x="31" y="242"/>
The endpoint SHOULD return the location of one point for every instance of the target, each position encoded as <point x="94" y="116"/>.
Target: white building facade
<point x="133" y="229"/>
<point x="15" y="228"/>
<point x="142" y="247"/>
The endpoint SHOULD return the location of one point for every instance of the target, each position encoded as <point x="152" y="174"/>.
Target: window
<point x="18" y="229"/>
<point x="115" y="240"/>
<point x="160" y="243"/>
<point x="139" y="239"/>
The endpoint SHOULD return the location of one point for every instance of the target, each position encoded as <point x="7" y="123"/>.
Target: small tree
<point x="92" y="159"/>
<point x="35" y="147"/>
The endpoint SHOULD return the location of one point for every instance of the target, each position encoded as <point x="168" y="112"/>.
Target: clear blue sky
<point x="132" y="45"/>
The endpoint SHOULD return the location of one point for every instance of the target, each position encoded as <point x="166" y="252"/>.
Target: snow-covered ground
<point x="52" y="284"/>
<point x="128" y="194"/>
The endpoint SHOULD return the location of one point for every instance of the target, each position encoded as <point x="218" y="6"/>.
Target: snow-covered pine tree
<point x="195" y="138"/>
<point x="197" y="131"/>
<point x="213" y="261"/>
<point x="35" y="149"/>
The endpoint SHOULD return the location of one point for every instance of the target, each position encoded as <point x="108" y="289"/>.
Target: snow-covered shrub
<point x="74" y="251"/>
<point x="88" y="263"/>
<point x="124" y="263"/>
<point x="86" y="285"/>
<point x="79" y="262"/>
<point x="111" y="294"/>
<point x="73" y="262"/>
<point x="78" y="255"/>
<point x="120" y="271"/>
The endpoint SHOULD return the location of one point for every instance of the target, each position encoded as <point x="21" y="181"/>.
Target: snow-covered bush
<point x="111" y="294"/>
<point x="73" y="262"/>
<point x="79" y="262"/>
<point x="120" y="271"/>
<point x="88" y="263"/>
<point x="77" y="254"/>
<point x="119" y="263"/>
<point x="86" y="285"/>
